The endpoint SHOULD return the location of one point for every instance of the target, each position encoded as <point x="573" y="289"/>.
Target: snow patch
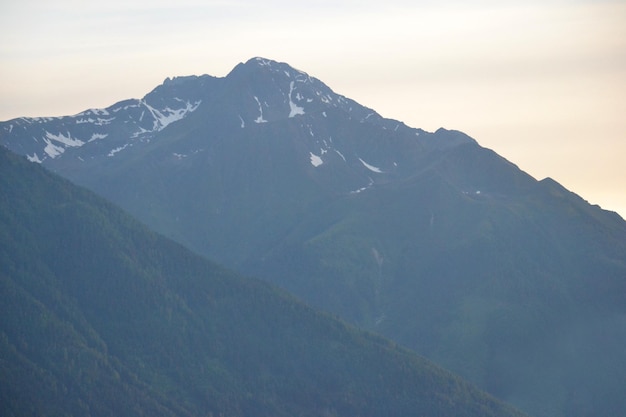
<point x="294" y="108"/>
<point x="167" y="116"/>
<point x="101" y="112"/>
<point x="97" y="112"/>
<point x="341" y="155"/>
<point x="360" y="190"/>
<point x="259" y="119"/>
<point x="140" y="132"/>
<point x="130" y="106"/>
<point x="34" y="158"/>
<point x="263" y="62"/>
<point x="54" y="150"/>
<point x="315" y="160"/>
<point x="51" y="149"/>
<point x="102" y="122"/>
<point x="243" y="124"/>
<point x="371" y="167"/>
<point x="175" y="115"/>
<point x="66" y="140"/>
<point x="97" y="136"/>
<point x="116" y="150"/>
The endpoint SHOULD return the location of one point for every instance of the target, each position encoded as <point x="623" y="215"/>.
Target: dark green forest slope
<point x="102" y="317"/>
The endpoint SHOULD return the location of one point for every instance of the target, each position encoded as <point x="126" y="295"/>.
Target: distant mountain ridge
<point x="277" y="93"/>
<point x="427" y="238"/>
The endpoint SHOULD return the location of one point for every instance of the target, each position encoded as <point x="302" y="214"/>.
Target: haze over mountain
<point x="102" y="317"/>
<point x="516" y="284"/>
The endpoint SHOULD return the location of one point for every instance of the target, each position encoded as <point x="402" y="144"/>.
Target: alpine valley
<point x="427" y="238"/>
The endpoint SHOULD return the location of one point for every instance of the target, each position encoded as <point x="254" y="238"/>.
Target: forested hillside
<point x="102" y="317"/>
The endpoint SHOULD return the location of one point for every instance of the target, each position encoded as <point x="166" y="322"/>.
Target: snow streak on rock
<point x="294" y="108"/>
<point x="259" y="119"/>
<point x="371" y="167"/>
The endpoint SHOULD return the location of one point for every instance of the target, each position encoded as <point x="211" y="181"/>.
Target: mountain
<point x="101" y="316"/>
<point x="424" y="237"/>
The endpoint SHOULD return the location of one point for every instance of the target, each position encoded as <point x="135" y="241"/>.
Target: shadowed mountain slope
<point x="102" y="317"/>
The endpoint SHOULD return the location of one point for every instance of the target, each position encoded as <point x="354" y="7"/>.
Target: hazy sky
<point x="543" y="83"/>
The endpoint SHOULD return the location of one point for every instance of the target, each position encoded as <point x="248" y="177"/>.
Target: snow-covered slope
<point x="118" y="126"/>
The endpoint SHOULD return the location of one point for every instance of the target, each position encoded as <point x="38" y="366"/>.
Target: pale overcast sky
<point x="543" y="83"/>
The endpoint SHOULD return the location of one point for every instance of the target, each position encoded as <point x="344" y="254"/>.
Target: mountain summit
<point x="257" y="92"/>
<point x="425" y="237"/>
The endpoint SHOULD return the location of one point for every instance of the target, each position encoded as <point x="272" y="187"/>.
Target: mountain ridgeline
<point x="428" y="238"/>
<point x="101" y="316"/>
